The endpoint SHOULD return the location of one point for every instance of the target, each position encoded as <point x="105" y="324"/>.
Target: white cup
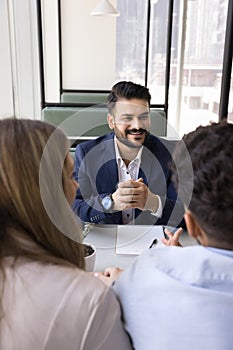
<point x="90" y="259"/>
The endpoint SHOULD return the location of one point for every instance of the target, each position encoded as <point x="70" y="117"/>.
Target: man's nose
<point x="136" y="124"/>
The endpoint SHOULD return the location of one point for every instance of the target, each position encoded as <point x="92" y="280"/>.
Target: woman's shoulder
<point x="53" y="287"/>
<point x="55" y="300"/>
<point x="51" y="277"/>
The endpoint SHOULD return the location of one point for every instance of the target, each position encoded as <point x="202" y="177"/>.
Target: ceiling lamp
<point x="105" y="8"/>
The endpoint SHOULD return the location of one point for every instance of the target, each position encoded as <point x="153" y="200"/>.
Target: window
<point x="201" y="69"/>
<point x="95" y="52"/>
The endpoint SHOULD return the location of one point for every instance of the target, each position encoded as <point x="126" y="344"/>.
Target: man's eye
<point x="143" y="117"/>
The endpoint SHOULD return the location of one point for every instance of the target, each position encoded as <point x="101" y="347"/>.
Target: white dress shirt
<point x="130" y="172"/>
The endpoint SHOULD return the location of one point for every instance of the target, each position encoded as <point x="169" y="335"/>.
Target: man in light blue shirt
<point x="182" y="298"/>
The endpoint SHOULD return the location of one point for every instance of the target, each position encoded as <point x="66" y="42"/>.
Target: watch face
<point x="107" y="202"/>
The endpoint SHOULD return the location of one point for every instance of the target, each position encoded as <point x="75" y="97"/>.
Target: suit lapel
<point x="107" y="176"/>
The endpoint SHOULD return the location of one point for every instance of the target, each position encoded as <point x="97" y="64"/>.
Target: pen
<point x="153" y="243"/>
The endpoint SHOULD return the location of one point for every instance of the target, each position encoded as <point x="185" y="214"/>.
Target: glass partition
<point x="174" y="47"/>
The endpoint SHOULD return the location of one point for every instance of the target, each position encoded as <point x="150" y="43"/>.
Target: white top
<point x="50" y="307"/>
<point x="179" y="298"/>
<point x="131" y="172"/>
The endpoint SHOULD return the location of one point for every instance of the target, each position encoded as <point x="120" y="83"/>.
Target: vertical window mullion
<point x="227" y="64"/>
<point x="147" y="41"/>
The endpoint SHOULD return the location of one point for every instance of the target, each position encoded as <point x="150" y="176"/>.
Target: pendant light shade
<point x="105" y="8"/>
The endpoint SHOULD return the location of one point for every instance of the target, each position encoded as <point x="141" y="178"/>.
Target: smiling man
<point x="124" y="176"/>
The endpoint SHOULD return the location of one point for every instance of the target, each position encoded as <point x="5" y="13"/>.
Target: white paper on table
<point x="134" y="239"/>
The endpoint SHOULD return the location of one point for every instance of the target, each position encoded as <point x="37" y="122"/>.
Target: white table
<point x="104" y="238"/>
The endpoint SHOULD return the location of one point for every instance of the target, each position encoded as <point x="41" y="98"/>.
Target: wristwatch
<point x="107" y="203"/>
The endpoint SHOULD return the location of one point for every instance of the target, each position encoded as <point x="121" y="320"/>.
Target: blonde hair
<point x="27" y="228"/>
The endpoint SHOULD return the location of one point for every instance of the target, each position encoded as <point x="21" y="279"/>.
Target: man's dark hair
<point x="210" y="149"/>
<point x="128" y="90"/>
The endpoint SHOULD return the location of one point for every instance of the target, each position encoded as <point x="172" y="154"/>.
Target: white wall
<point x="19" y="63"/>
<point x="6" y="87"/>
<point x="87" y="41"/>
<point x="50" y="50"/>
<point x="88" y="45"/>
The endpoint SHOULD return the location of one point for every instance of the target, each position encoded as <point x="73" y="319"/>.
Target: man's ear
<point x="110" y="120"/>
<point x="193" y="228"/>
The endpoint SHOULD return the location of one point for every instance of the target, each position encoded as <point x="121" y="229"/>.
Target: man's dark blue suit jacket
<point x="97" y="174"/>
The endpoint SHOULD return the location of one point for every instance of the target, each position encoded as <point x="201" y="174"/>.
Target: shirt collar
<point x="119" y="160"/>
<point x="225" y="252"/>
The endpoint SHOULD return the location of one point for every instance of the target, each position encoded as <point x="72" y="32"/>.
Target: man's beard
<point x="129" y="143"/>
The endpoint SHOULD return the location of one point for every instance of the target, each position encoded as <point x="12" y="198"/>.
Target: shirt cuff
<point x="158" y="213"/>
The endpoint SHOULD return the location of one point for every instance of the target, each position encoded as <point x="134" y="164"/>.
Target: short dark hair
<point x="128" y="90"/>
<point x="210" y="150"/>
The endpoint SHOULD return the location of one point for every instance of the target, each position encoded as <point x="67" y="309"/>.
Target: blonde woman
<point x="47" y="300"/>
